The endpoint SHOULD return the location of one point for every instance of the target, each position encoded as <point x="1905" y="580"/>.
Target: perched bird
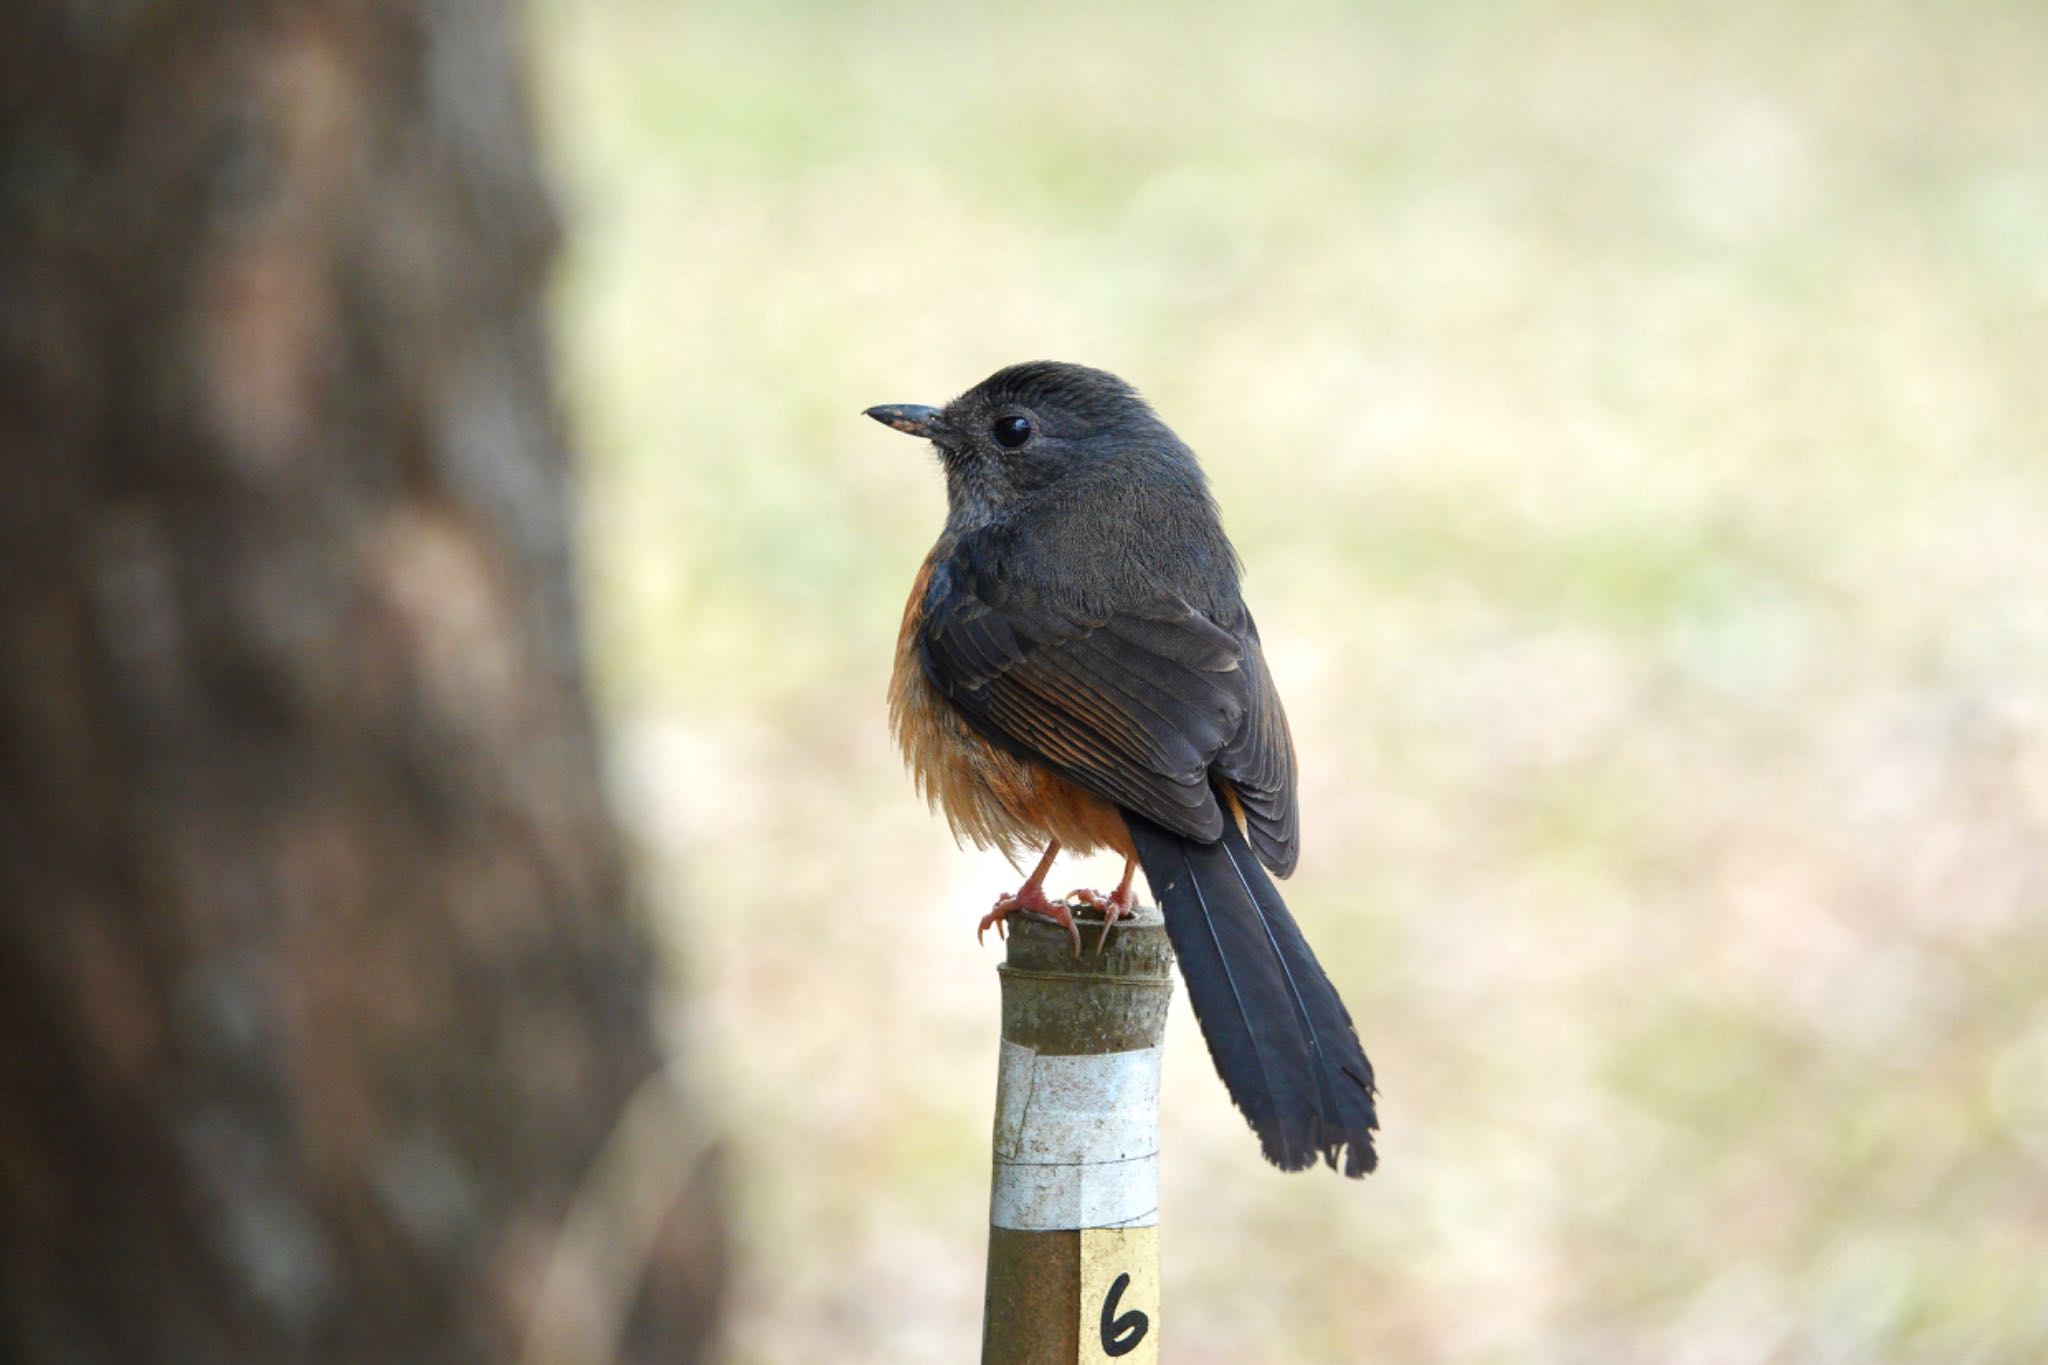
<point x="1077" y="670"/>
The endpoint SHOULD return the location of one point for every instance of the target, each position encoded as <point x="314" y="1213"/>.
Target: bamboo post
<point x="1073" y="1240"/>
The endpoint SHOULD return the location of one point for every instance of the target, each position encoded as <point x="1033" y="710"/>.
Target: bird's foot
<point x="1032" y="900"/>
<point x="1114" y="906"/>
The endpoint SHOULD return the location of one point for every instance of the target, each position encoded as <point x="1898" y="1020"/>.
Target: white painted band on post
<point x="1076" y="1141"/>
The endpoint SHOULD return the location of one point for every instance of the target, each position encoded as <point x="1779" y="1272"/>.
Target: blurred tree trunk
<point x="325" y="1023"/>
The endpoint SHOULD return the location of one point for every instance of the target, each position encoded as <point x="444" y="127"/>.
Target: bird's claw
<point x="1114" y="906"/>
<point x="994" y="918"/>
<point x="1031" y="900"/>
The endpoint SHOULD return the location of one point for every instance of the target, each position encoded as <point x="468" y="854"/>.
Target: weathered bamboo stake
<point x="1073" y="1240"/>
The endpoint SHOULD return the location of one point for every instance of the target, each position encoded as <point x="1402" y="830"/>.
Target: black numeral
<point x="1121" y="1334"/>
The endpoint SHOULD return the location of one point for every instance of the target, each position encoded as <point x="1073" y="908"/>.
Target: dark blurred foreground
<point x="325" y="1029"/>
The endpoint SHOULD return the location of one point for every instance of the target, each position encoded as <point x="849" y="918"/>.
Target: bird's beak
<point x="913" y="418"/>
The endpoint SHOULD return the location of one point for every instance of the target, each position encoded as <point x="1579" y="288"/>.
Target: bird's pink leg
<point x="1032" y="900"/>
<point x="1115" y="906"/>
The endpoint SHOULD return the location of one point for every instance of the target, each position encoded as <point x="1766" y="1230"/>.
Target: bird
<point x="1077" y="670"/>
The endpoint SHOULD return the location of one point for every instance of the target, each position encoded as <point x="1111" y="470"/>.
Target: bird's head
<point x="1027" y="428"/>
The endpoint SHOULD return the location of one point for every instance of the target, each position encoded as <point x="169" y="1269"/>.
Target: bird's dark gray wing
<point x="1147" y="703"/>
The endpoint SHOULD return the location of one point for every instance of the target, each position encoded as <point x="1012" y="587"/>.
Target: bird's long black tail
<point x="1281" y="1039"/>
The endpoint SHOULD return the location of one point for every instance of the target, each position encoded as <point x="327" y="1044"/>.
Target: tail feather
<point x="1279" y="1035"/>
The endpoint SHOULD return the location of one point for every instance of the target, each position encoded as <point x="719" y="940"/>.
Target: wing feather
<point x="1149" y="703"/>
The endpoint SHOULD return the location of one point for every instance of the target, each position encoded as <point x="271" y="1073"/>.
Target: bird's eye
<point x="1011" y="432"/>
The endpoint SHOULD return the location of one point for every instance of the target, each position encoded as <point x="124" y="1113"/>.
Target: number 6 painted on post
<point x="1121" y="1334"/>
<point x="1119" y="1299"/>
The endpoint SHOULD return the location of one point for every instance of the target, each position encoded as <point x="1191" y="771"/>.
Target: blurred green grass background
<point x="1635" y="422"/>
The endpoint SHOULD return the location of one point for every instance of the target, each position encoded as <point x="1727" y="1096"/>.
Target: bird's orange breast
<point x="987" y="794"/>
